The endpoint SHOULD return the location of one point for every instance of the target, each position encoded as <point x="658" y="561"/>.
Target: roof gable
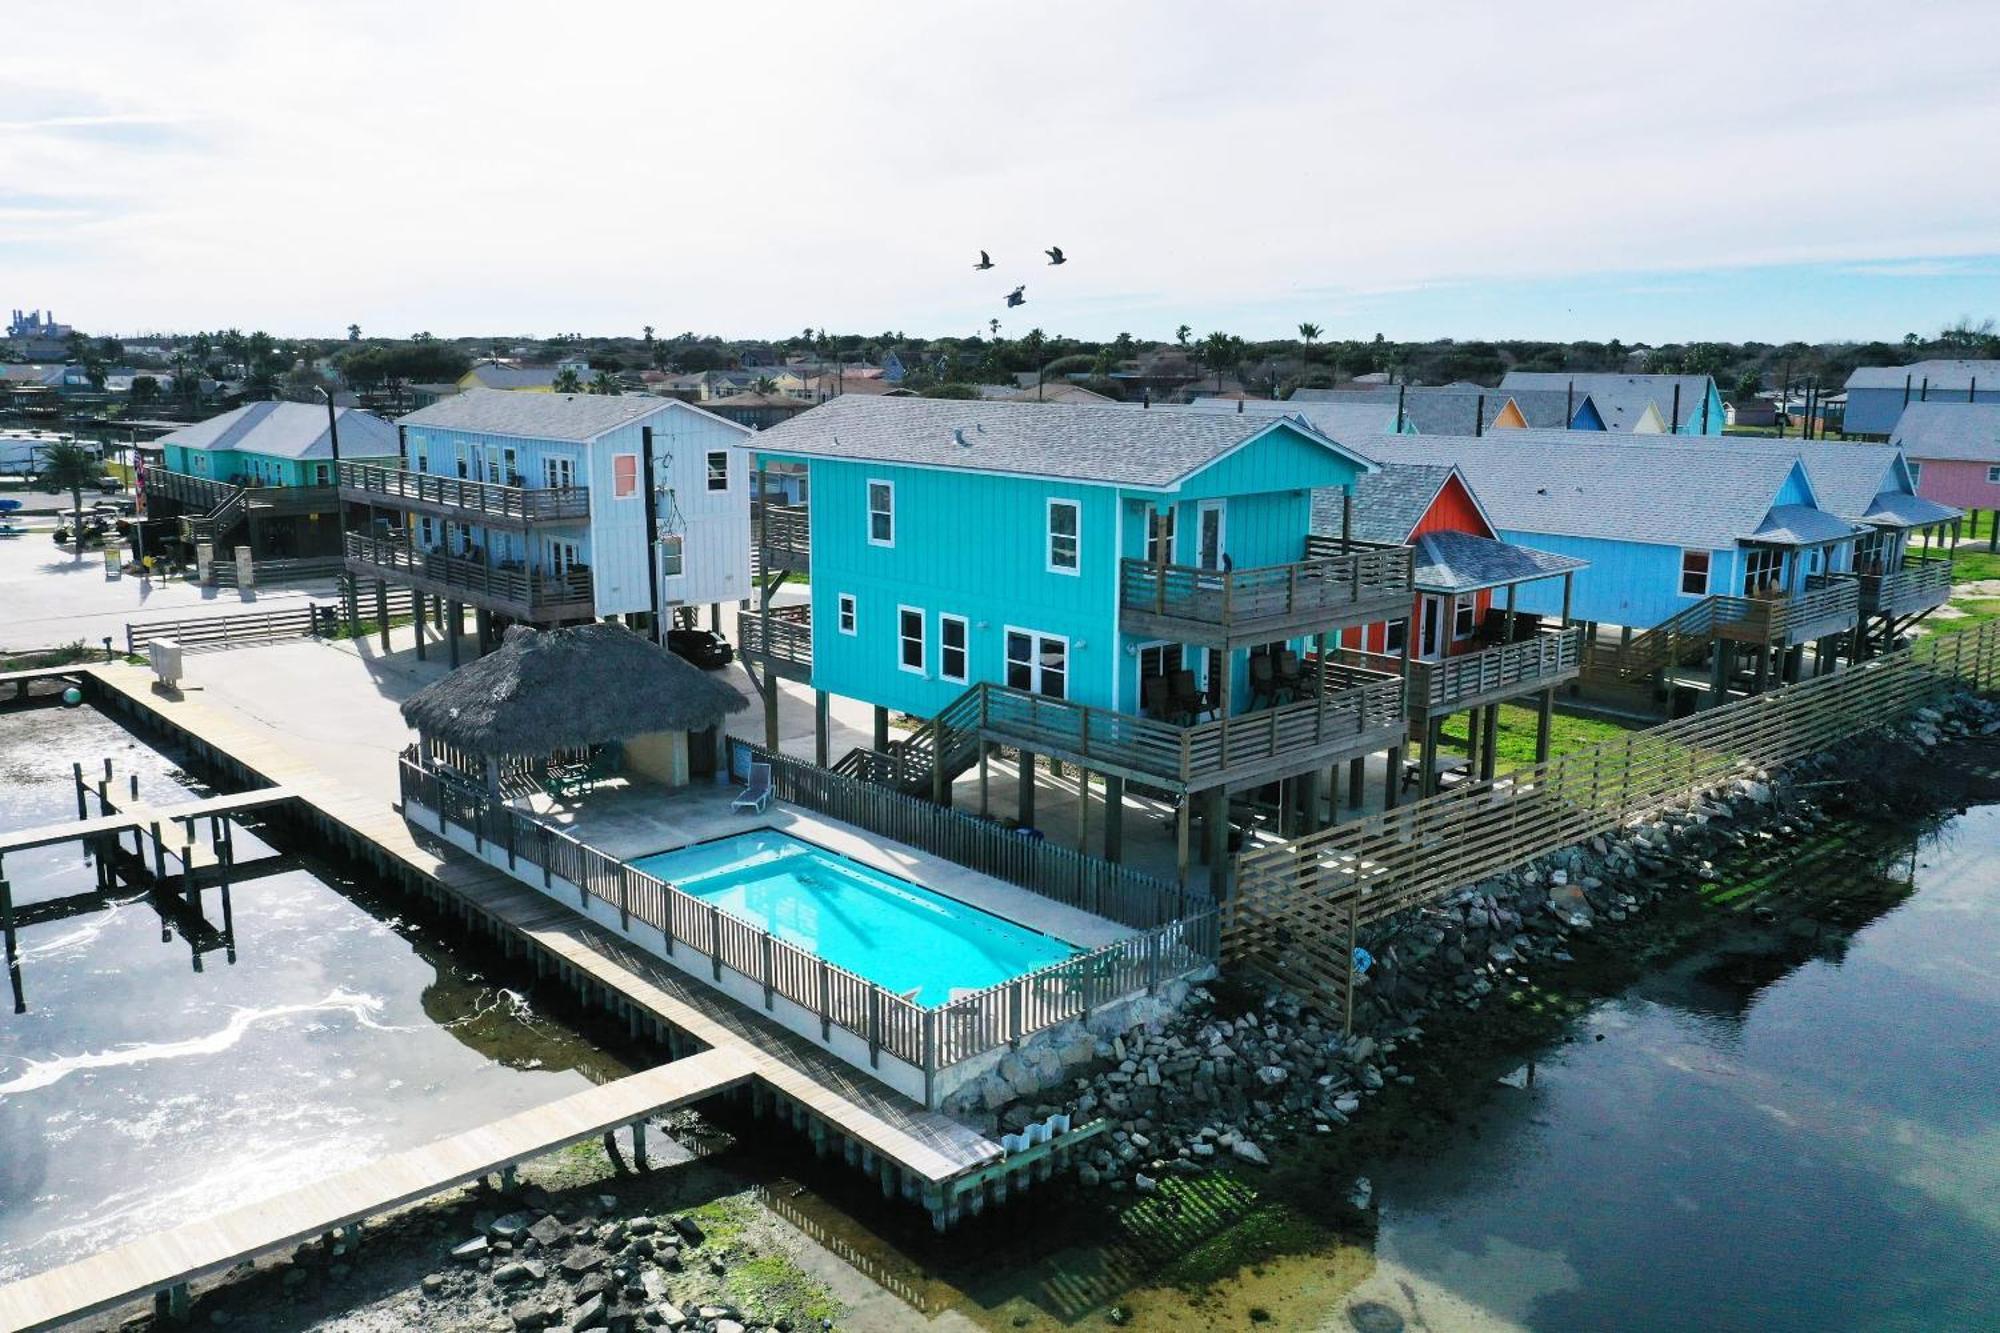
<point x="1950" y="432"/>
<point x="576" y="417"/>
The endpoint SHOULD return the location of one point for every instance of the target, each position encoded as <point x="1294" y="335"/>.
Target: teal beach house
<point x="1124" y="589"/>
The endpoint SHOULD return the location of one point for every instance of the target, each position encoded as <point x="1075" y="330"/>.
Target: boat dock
<point x="166" y="1261"/>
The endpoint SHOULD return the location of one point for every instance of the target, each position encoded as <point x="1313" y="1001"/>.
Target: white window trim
<point x="1035" y="664"/>
<point x="923" y="642"/>
<point x="1993" y="476"/>
<point x="638" y="478"/>
<point x="708" y="465"/>
<point x="846" y="615"/>
<point x="1681" y="573"/>
<point x="964" y="651"/>
<point x="1049" y="537"/>
<point x="868" y="498"/>
<point x="1463" y="602"/>
<point x="679" y="543"/>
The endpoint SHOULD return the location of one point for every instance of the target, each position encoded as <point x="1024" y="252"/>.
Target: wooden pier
<point x="167" y="1261"/>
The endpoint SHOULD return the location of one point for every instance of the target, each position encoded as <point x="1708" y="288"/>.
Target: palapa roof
<point x="563" y="689"/>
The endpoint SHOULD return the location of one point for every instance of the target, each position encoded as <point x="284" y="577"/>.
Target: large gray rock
<point x="520" y="1270"/>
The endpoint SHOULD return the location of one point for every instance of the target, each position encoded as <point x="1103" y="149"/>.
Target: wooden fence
<point x="929" y="1038"/>
<point x="253" y="627"/>
<point x="1298" y="904"/>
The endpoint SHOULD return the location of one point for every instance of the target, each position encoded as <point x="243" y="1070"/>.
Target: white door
<point x="1212" y="530"/>
<point x="562" y="558"/>
<point x="1038" y="663"/>
<point x="1430" y="641"/>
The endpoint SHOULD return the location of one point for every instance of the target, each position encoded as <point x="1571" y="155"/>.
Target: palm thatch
<point x="564" y="689"/>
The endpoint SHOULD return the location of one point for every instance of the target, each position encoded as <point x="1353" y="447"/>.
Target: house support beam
<point x="1544" y="719"/>
<point x="454" y="622"/>
<point x="820" y="727"/>
<point x="420" y="605"/>
<point x="1114" y="818"/>
<point x="1216" y="833"/>
<point x="1357" y="777"/>
<point x="1392" y="781"/>
<point x="1024" y="794"/>
<point x="1489" y="741"/>
<point x="881" y="727"/>
<point x="382" y="611"/>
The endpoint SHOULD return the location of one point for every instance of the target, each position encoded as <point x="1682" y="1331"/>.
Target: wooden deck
<point x="199" y="1249"/>
<point x="141" y="816"/>
<point x="929" y="1145"/>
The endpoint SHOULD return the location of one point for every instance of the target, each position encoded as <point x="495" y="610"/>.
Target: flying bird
<point x="1055" y="255"/>
<point x="1015" y="298"/>
<point x="985" y="261"/>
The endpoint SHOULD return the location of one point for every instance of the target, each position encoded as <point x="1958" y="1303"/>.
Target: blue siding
<point x="1876" y="411"/>
<point x="1586" y="417"/>
<point x="1627" y="583"/>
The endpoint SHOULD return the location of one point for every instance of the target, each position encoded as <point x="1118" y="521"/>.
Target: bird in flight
<point x="1015" y="298"/>
<point x="1055" y="255"/>
<point x="985" y="261"/>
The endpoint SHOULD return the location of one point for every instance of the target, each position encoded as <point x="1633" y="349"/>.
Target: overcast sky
<point x="1651" y="172"/>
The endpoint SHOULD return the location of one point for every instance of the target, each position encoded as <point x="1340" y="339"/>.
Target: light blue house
<point x="1636" y="404"/>
<point x="1109" y="585"/>
<point x="557" y="508"/>
<point x="1877" y="395"/>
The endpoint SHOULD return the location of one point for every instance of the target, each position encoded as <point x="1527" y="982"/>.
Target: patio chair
<point x="1263" y="679"/>
<point x="1156" y="698"/>
<point x="1186" y="701"/>
<point x="1290" y="679"/>
<point x="756" y="797"/>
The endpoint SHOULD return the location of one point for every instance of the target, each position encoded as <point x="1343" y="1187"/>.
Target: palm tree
<point x="604" y="384"/>
<point x="354" y="333"/>
<point x="993" y="327"/>
<point x="567" y="382"/>
<point x="70" y="467"/>
<point x="764" y="384"/>
<point x="1220" y="350"/>
<point x="1308" y="334"/>
<point x="1181" y="336"/>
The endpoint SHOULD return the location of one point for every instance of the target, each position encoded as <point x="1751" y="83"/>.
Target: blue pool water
<point x="902" y="937"/>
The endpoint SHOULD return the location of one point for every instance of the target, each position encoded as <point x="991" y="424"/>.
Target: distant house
<point x="536" y="508"/>
<point x="758" y="410"/>
<point x="1056" y="391"/>
<point x="1877" y="395"/>
<point x="1637" y="404"/>
<point x="262" y="475"/>
<point x="518" y="379"/>
<point x="1753" y="412"/>
<point x="1953" y="450"/>
<point x="1473" y="409"/>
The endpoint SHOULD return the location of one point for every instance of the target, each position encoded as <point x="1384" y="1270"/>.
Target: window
<point x="846" y="613"/>
<point x="320" y="477"/>
<point x="1763" y="567"/>
<point x="624" y="475"/>
<point x="881" y="513"/>
<point x="1463" y="611"/>
<point x="672" y="555"/>
<point x="1159" y="529"/>
<point x="1038" y="663"/>
<point x="427" y="531"/>
<point x="910" y="639"/>
<point x="1694" y="573"/>
<point x="1159" y="659"/>
<point x="513" y="467"/>
<point x="1992" y="475"/>
<point x="951" y="648"/>
<point x="1065" y="517"/>
<point x="718" y="470"/>
<point x="559" y="474"/>
<point x="1917" y="475"/>
<point x="1396" y="636"/>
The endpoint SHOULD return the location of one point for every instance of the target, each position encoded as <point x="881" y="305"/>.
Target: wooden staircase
<point x="909" y="761"/>
<point x="1681" y="638"/>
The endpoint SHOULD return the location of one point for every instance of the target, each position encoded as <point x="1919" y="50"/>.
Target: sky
<point x="1542" y="169"/>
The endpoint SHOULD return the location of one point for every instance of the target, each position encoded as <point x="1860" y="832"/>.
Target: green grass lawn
<point x="1515" y="736"/>
<point x="1972" y="566"/>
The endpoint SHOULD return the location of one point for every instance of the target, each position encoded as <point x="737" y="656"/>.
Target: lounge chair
<point x="756" y="797"/>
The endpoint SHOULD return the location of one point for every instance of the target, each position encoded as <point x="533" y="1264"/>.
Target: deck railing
<point x="783" y="535"/>
<point x="478" y="499"/>
<point x="535" y="591"/>
<point x="928" y="1038"/>
<point x="785" y="633"/>
<point x="1441" y="686"/>
<point x="1918" y="586"/>
<point x="201" y="494"/>
<point x="1242" y="598"/>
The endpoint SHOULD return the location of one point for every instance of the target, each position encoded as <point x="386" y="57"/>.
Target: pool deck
<point x="931" y="1146"/>
<point x="630" y="822"/>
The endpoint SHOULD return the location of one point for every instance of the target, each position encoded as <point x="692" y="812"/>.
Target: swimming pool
<point x="898" y="935"/>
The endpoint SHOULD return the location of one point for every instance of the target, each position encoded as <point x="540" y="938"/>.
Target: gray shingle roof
<point x="1465" y="562"/>
<point x="1621" y="399"/>
<point x="1950" y="432"/>
<point x="1896" y="510"/>
<point x="1800" y="525"/>
<point x="546" y="416"/>
<point x="1388" y="504"/>
<point x="289" y="430"/>
<point x="488" y="375"/>
<point x="1357" y="414"/>
<point x="1941" y="374"/>
<point x="1678" y="491"/>
<point x="1114" y="444"/>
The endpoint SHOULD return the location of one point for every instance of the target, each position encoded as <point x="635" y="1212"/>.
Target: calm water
<point x="137" y="1092"/>
<point x="902" y="937"/>
<point x="1800" y="1135"/>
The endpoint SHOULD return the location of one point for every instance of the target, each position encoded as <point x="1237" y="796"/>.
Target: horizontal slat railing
<point x="1437" y="686"/>
<point x="784" y="633"/>
<point x="784" y="536"/>
<point x="1298" y="902"/>
<point x="1917" y="586"/>
<point x="535" y="589"/>
<point x="1228" y="598"/>
<point x="368" y="481"/>
<point x="839" y="998"/>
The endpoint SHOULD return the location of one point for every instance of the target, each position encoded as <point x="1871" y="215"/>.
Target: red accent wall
<point x="1452" y="511"/>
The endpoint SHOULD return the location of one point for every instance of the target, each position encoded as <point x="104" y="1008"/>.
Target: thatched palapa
<point x="565" y="689"/>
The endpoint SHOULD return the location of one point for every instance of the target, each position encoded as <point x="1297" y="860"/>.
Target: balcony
<point x="193" y="494"/>
<point x="1227" y="608"/>
<point x="1919" y="586"/>
<point x="1473" y="680"/>
<point x="783" y="537"/>
<point x="784" y="636"/>
<point x="1831" y="604"/>
<point x="524" y="593"/>
<point x="461" y="499"/>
